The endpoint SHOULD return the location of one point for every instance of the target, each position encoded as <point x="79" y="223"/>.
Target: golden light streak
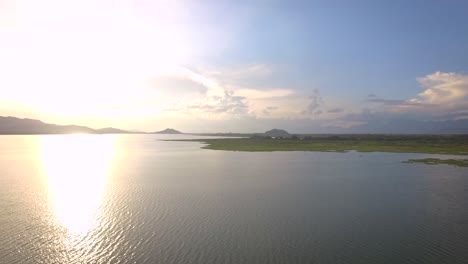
<point x="76" y="169"/>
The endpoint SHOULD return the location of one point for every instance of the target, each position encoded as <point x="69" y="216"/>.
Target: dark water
<point x="134" y="199"/>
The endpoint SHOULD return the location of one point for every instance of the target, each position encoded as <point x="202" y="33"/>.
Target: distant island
<point x="168" y="131"/>
<point x="275" y="133"/>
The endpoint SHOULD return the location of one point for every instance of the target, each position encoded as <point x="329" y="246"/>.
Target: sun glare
<point x="93" y="66"/>
<point x="76" y="168"/>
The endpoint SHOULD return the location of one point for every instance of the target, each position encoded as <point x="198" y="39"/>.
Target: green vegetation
<point x="432" y="161"/>
<point x="432" y="144"/>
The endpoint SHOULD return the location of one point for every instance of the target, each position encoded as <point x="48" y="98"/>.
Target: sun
<point x="87" y="58"/>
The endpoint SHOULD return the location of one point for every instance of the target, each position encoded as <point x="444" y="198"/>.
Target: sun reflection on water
<point x="76" y="168"/>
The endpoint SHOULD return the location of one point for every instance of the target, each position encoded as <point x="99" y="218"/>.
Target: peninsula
<point x="428" y="144"/>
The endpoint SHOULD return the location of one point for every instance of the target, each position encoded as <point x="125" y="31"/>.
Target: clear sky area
<point x="237" y="66"/>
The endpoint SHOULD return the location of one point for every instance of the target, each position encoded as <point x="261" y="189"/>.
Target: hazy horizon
<point x="221" y="66"/>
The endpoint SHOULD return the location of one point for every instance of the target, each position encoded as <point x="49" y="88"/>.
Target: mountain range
<point x="25" y="126"/>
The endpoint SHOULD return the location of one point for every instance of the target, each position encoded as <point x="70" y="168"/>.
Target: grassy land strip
<point x="432" y="161"/>
<point x="456" y="145"/>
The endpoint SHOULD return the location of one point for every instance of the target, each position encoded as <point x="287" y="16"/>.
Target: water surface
<point x="136" y="199"/>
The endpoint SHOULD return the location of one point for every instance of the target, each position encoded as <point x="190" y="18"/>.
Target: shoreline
<point x="443" y="146"/>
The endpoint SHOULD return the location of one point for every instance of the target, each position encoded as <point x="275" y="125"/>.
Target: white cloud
<point x="235" y="73"/>
<point x="212" y="101"/>
<point x="444" y="95"/>
<point x="263" y="94"/>
<point x="228" y="100"/>
<point x="443" y="88"/>
<point x="259" y="70"/>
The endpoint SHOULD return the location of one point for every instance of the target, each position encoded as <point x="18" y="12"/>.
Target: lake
<point x="137" y="199"/>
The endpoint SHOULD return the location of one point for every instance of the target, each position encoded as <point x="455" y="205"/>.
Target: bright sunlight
<point x="76" y="168"/>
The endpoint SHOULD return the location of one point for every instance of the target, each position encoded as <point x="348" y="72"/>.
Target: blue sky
<point x="243" y="66"/>
<point x="376" y="46"/>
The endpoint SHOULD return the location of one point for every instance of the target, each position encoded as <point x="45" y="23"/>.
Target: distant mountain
<point x="111" y="130"/>
<point x="228" y="134"/>
<point x="25" y="126"/>
<point x="168" y="131"/>
<point x="277" y="133"/>
<point x="136" y="131"/>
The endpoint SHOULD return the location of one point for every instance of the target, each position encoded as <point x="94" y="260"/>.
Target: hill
<point x="277" y="133"/>
<point x="168" y="131"/>
<point x="25" y="126"/>
<point x="111" y="130"/>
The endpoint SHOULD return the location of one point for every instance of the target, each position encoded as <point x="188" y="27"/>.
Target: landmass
<point x="433" y="161"/>
<point x="168" y="131"/>
<point x="274" y="133"/>
<point x="25" y="126"/>
<point x="457" y="145"/>
<point x="221" y="134"/>
<point x="281" y="140"/>
<point x="429" y="144"/>
<point x="454" y="145"/>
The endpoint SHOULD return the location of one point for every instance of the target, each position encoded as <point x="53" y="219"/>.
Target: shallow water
<point x="136" y="199"/>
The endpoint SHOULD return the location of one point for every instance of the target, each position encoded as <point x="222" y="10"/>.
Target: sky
<point x="237" y="66"/>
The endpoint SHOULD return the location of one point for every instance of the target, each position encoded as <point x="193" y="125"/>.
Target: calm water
<point x="135" y="199"/>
